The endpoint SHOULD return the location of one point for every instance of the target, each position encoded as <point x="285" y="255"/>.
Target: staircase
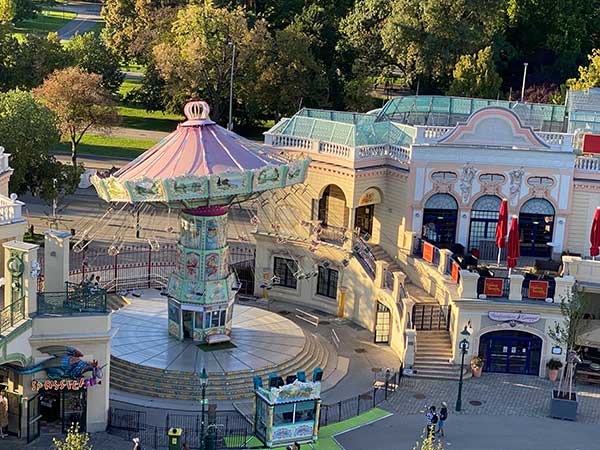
<point x="172" y="384"/>
<point x="433" y="346"/>
<point x="116" y="302"/>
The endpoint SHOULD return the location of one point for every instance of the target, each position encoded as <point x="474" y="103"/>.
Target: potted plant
<point x="553" y="367"/>
<point x="563" y="404"/>
<point x="476" y="366"/>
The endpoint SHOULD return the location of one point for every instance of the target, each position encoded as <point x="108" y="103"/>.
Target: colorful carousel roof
<point x="199" y="164"/>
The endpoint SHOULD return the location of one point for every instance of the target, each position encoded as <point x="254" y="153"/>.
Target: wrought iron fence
<point x="431" y="316"/>
<point x="482" y="290"/>
<point x="364" y="256"/>
<point x="551" y="288"/>
<point x="12" y="314"/>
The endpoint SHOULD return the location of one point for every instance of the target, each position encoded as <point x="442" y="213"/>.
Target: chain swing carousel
<point x="200" y="169"/>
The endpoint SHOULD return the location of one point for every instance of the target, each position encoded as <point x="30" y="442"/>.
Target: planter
<point x="476" y="371"/>
<point x="563" y="408"/>
<point x="552" y="374"/>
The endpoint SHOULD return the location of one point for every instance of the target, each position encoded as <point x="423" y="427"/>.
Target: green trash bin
<point x="175" y="438"/>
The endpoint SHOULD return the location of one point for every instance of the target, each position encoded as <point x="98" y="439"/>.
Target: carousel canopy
<point x="198" y="164"/>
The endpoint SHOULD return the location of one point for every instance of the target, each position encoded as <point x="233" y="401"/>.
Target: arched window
<point x="443" y="176"/>
<point x="484" y="218"/>
<point x="439" y="220"/>
<point x="332" y="207"/>
<point x="540" y="181"/>
<point x="536" y="227"/>
<point x="492" y="178"/>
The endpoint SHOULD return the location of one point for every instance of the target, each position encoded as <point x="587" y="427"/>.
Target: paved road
<point x="88" y="14"/>
<point x="475" y="433"/>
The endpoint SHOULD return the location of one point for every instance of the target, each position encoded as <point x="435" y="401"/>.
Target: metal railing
<point x="76" y="299"/>
<point x="364" y="256"/>
<point x="551" y="288"/>
<point x="431" y="316"/>
<point x="335" y="338"/>
<point x="307" y="317"/>
<point x="12" y="315"/>
<point x="332" y="235"/>
<point x="388" y="281"/>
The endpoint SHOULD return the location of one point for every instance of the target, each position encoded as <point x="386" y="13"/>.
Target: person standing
<point x="443" y="417"/>
<point x="3" y="414"/>
<point x="432" y="420"/>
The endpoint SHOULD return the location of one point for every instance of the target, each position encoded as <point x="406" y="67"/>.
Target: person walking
<point x="136" y="443"/>
<point x="443" y="418"/>
<point x="432" y="420"/>
<point x="3" y="414"/>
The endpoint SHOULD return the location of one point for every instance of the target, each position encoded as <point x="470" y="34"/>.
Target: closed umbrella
<point x="513" y="249"/>
<point x="502" y="227"/>
<point x="595" y="235"/>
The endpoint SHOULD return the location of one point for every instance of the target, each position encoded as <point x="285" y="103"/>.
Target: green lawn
<point x="140" y="119"/>
<point x="326" y="434"/>
<point x="108" y="146"/>
<point x="45" y="22"/>
<point x="128" y="85"/>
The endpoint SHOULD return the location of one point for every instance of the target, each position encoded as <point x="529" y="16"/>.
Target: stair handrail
<point x="307" y="317"/>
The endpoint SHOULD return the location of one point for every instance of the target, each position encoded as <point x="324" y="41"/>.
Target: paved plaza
<point x="494" y="395"/>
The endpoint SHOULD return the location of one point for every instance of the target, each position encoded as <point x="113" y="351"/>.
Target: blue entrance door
<point x="511" y="352"/>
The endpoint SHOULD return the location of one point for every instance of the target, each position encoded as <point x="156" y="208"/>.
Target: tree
<point x="74" y="440"/>
<point x="36" y="58"/>
<point x="426" y="38"/>
<point x="194" y="57"/>
<point x="566" y="335"/>
<point x="8" y="11"/>
<point x="90" y="53"/>
<point x="28" y="131"/>
<point x="24" y="9"/>
<point x="475" y="76"/>
<point x="79" y="102"/>
<point x="588" y="76"/>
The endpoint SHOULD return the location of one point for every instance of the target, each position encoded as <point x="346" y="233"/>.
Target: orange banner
<point x="455" y="272"/>
<point x="427" y="251"/>
<point x="538" y="289"/>
<point x="492" y="287"/>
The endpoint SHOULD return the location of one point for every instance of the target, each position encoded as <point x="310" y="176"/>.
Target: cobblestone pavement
<point x="499" y="395"/>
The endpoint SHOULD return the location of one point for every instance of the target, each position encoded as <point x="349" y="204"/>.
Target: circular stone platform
<point x="263" y="339"/>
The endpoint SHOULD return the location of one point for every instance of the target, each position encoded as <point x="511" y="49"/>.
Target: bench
<point x="588" y="376"/>
<point x="217" y="339"/>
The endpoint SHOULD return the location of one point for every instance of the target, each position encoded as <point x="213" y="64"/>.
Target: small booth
<point x="287" y="412"/>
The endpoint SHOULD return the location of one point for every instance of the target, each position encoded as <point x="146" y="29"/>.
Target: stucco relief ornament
<point x="516" y="179"/>
<point x="467" y="175"/>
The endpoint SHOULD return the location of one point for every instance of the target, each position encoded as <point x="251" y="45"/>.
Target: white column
<point x="516" y="286"/>
<point x="25" y="257"/>
<point x="56" y="260"/>
<point x="417" y="222"/>
<point x="467" y="287"/>
<point x="560" y="225"/>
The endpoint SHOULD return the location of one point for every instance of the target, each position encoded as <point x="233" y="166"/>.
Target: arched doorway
<point x="511" y="351"/>
<point x="439" y="220"/>
<point x="484" y="218"/>
<point x="536" y="227"/>
<point x="332" y="207"/>
<point x="365" y="212"/>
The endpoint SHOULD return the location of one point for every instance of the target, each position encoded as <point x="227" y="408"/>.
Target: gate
<point x="431" y="317"/>
<point x="33" y="418"/>
<point x="382" y="324"/>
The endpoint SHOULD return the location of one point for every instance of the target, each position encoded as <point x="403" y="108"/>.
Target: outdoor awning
<point x="370" y="197"/>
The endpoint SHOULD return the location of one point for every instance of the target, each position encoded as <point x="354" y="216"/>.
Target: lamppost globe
<point x="203" y="378"/>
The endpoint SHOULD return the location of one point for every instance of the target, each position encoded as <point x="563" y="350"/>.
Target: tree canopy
<point x="28" y="130"/>
<point x="475" y="76"/>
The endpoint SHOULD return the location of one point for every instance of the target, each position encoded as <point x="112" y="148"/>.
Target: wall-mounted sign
<point x="455" y="272"/>
<point x="428" y="252"/>
<point x="493" y="287"/>
<point x="556" y="350"/>
<point x="370" y="197"/>
<point x="60" y="385"/>
<point x="538" y="289"/>
<point x="499" y="316"/>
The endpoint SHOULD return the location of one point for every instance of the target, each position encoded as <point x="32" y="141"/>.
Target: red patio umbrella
<point x="595" y="234"/>
<point x="502" y="227"/>
<point x="513" y="249"/>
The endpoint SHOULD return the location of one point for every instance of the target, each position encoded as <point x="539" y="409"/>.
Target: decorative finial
<point x="196" y="110"/>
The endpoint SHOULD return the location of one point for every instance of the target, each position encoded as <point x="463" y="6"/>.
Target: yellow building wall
<point x="583" y="207"/>
<point x="393" y="212"/>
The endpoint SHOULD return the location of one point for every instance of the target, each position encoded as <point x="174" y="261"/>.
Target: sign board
<point x="370" y="197"/>
<point x="493" y="287"/>
<point x="65" y="384"/>
<point x="428" y="252"/>
<point x="455" y="272"/>
<point x="591" y="143"/>
<point x="538" y="289"/>
<point x="500" y="316"/>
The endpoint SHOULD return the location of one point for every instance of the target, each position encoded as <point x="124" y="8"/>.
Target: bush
<point x="477" y="362"/>
<point x="554" y="364"/>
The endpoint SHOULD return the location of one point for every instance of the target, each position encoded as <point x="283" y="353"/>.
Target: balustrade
<point x="587" y="163"/>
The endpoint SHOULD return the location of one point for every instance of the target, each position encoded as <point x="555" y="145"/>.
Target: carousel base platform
<point x="145" y="360"/>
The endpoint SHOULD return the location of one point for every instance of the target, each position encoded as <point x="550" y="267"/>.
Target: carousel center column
<point x="201" y="290"/>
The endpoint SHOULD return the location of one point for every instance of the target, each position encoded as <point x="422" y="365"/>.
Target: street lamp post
<point x="464" y="347"/>
<point x="524" y="77"/>
<point x="230" y="123"/>
<point x="203" y="382"/>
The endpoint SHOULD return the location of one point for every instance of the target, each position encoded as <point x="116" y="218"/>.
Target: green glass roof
<point x="448" y="111"/>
